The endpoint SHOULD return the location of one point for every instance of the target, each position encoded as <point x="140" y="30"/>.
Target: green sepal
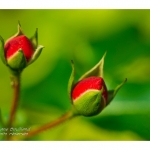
<point x="36" y="54"/>
<point x="97" y="70"/>
<point x="34" y="39"/>
<point x="112" y="93"/>
<point x="2" y="51"/>
<point x="71" y="80"/>
<point x="17" y="61"/>
<point x="19" y="32"/>
<point x="88" y="104"/>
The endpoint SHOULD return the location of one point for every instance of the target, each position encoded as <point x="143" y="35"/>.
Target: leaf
<point x="97" y="70"/>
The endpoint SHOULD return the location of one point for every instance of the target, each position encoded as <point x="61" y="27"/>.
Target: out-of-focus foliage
<point x="83" y="36"/>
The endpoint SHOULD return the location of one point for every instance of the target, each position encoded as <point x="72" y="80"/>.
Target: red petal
<point x="19" y="42"/>
<point x="89" y="83"/>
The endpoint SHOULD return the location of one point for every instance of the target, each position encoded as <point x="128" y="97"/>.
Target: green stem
<point x="50" y="125"/>
<point x="1" y="119"/>
<point x="16" y="93"/>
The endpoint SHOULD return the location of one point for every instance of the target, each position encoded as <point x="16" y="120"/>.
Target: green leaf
<point x="2" y="51"/>
<point x="36" y="54"/>
<point x="97" y="70"/>
<point x="112" y="93"/>
<point x="71" y="80"/>
<point x="34" y="39"/>
<point x="17" y="61"/>
<point x="88" y="104"/>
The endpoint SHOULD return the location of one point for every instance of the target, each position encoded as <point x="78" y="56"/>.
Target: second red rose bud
<point x="90" y="95"/>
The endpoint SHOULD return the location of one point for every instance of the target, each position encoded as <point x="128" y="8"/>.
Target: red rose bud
<point x="19" y="51"/>
<point x="89" y="96"/>
<point x="90" y="83"/>
<point x="17" y="43"/>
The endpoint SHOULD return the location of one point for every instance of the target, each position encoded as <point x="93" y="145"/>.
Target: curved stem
<point x="50" y="125"/>
<point x="16" y="93"/>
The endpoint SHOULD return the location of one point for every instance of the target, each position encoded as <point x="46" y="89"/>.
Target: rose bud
<point x="89" y="96"/>
<point x="19" y="51"/>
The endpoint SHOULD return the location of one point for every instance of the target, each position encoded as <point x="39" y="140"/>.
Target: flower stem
<point x="50" y="125"/>
<point x="15" y="79"/>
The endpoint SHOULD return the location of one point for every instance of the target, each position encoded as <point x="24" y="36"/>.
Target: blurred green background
<point x="83" y="36"/>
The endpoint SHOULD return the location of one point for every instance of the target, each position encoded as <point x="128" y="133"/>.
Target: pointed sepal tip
<point x="97" y="70"/>
<point x="71" y="80"/>
<point x="112" y="93"/>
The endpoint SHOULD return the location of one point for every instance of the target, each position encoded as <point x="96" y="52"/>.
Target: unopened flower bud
<point x="15" y="44"/>
<point x="89" y="95"/>
<point x="19" y="51"/>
